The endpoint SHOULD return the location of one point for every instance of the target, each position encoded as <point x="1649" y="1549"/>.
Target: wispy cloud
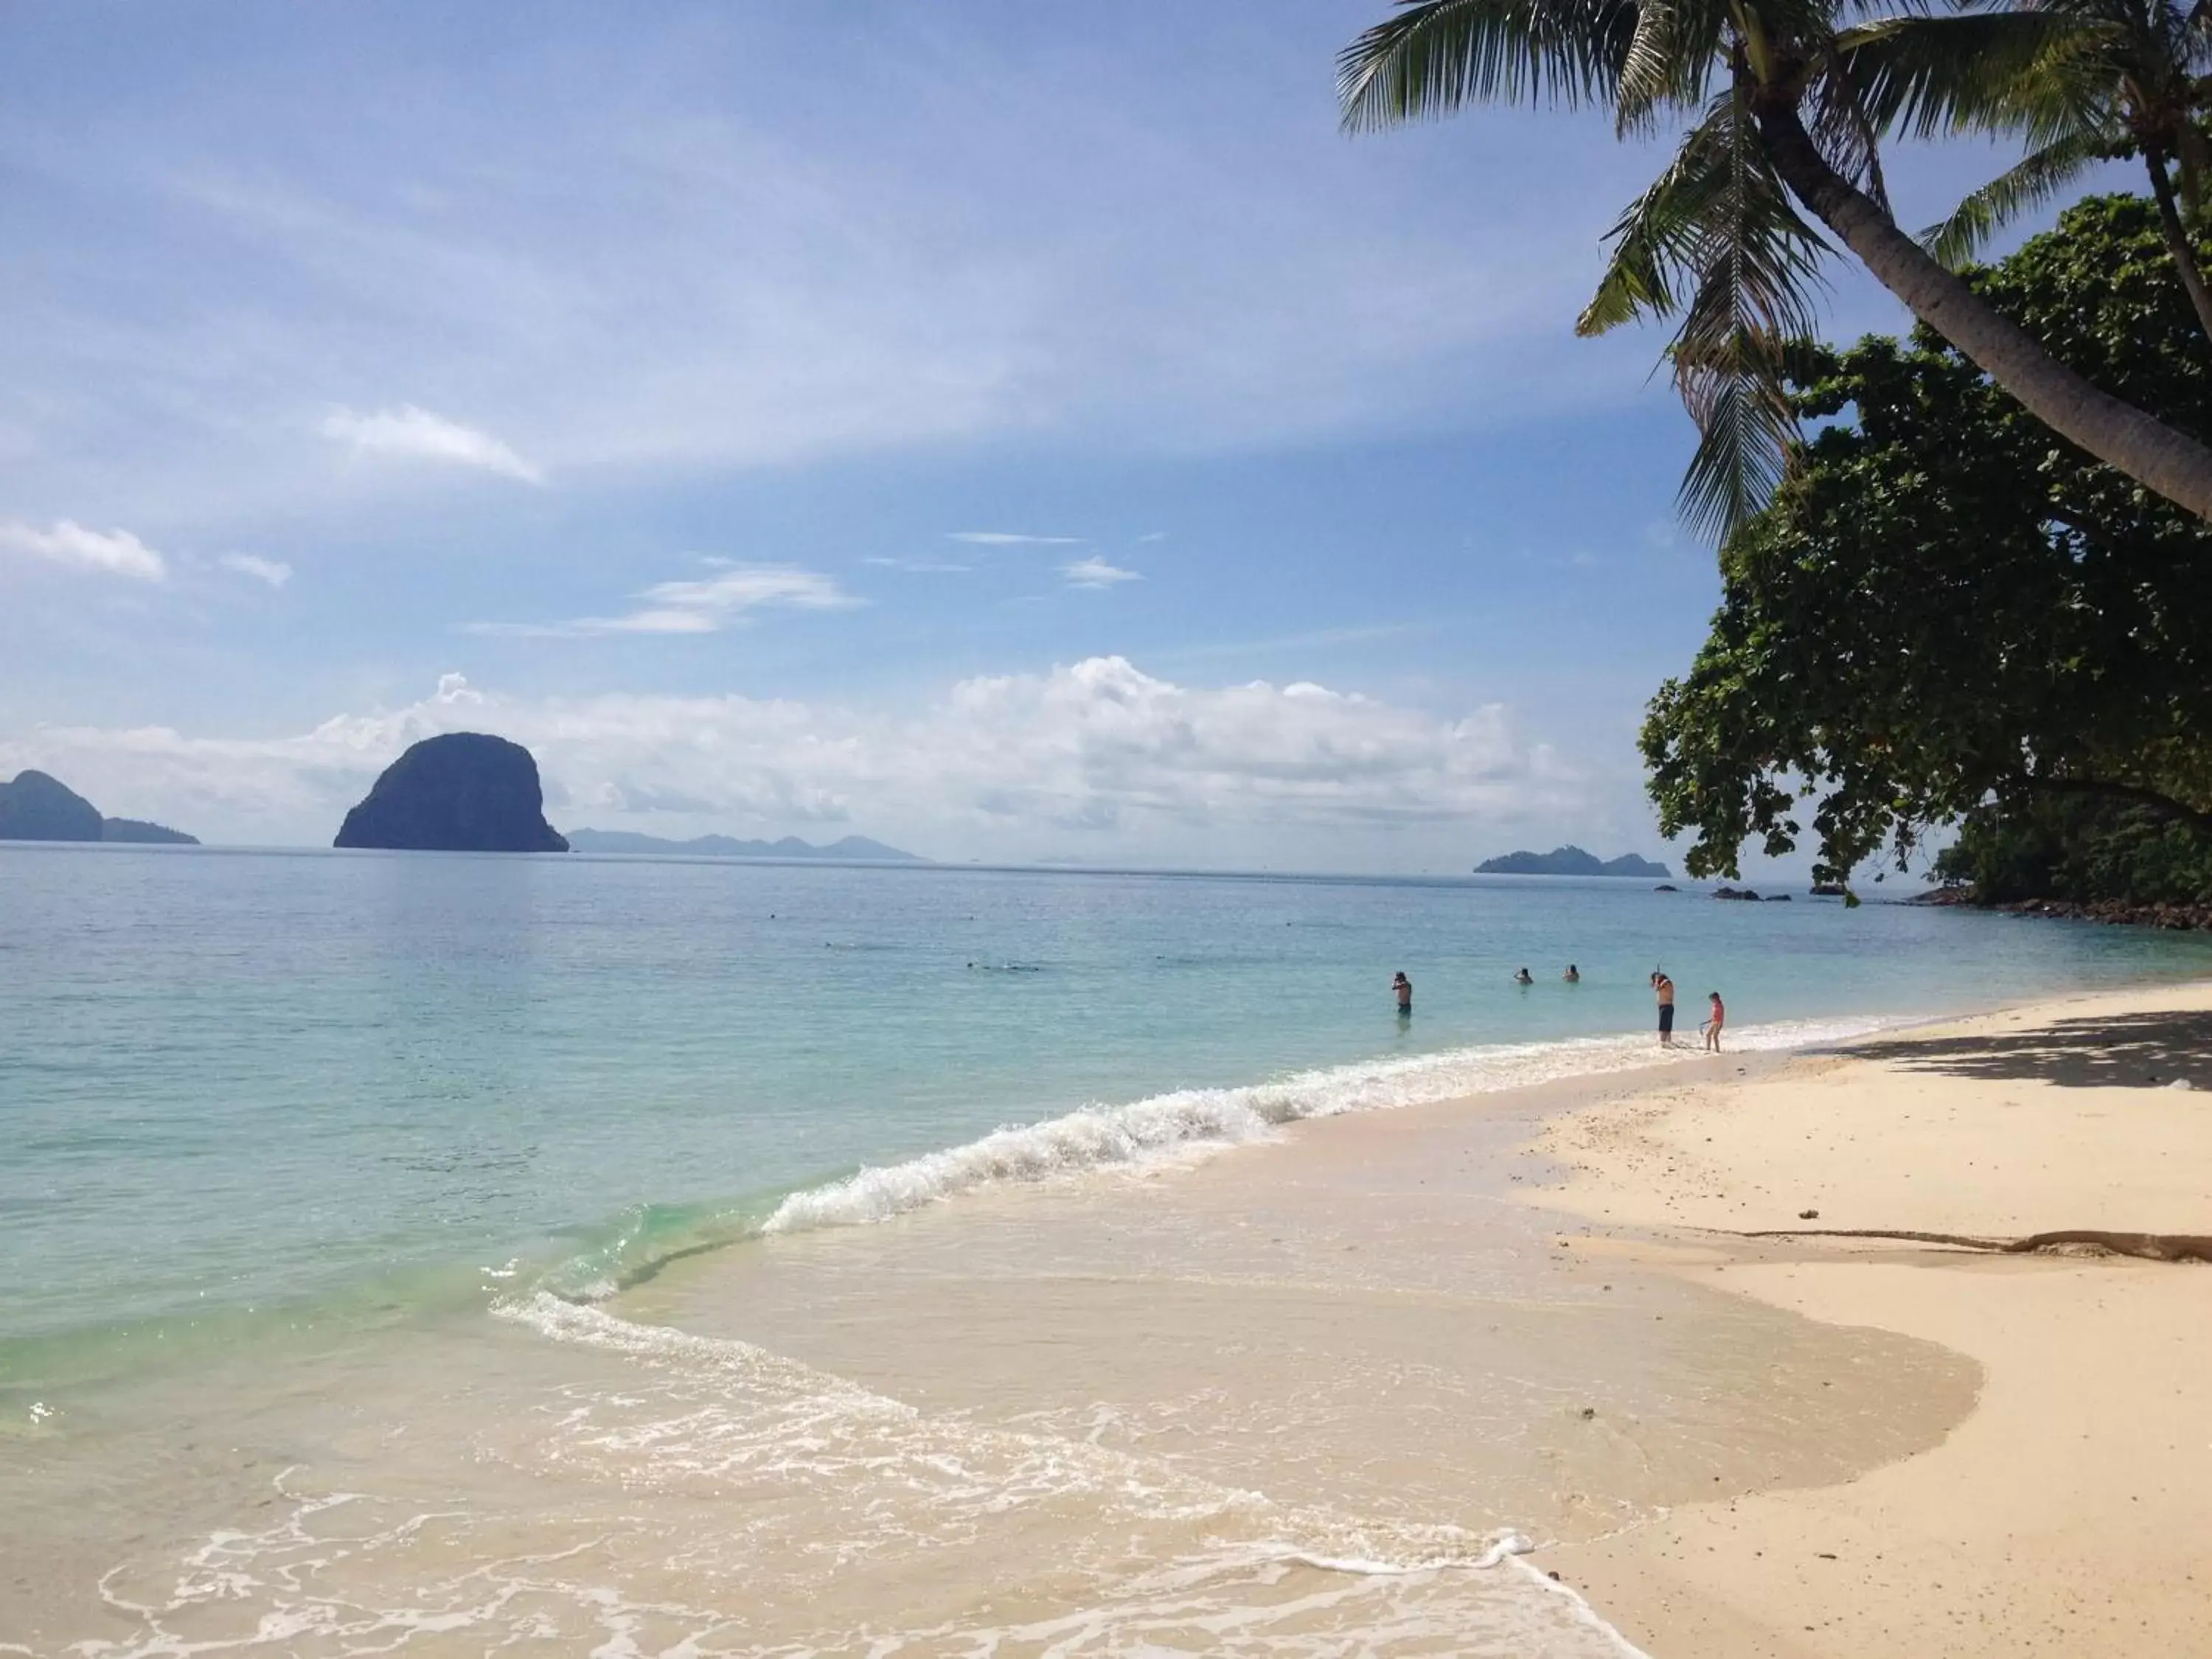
<point x="275" y="572"/>
<point x="1151" y="535"/>
<point x="418" y="435"/>
<point x="1012" y="538"/>
<point x="1096" y="572"/>
<point x="706" y="606"/>
<point x="112" y="552"/>
<point x="922" y="567"/>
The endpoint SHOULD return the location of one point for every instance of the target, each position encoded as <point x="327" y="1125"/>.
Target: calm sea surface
<point x="438" y="1254"/>
<point x="286" y="1084"/>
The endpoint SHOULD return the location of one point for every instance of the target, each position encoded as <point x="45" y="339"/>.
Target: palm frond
<point x="2027" y="185"/>
<point x="1719" y="228"/>
<point x="1434" y="57"/>
<point x="2010" y="71"/>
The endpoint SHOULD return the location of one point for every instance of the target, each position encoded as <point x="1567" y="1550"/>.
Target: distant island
<point x="465" y="791"/>
<point x="35" y="806"/>
<point x="728" y="847"/>
<point x="1570" y="861"/>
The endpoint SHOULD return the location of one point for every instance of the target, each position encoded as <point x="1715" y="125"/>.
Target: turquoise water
<point x="240" y="1086"/>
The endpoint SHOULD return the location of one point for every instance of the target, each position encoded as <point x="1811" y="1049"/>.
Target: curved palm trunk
<point x="2148" y="451"/>
<point x="2176" y="243"/>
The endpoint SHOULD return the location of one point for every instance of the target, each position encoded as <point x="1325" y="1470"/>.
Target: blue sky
<point x="1013" y="431"/>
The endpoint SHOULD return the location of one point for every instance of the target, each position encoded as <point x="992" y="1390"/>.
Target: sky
<point x="1011" y="432"/>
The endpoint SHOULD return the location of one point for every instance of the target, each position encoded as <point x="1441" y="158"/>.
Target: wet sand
<point x="2071" y="1512"/>
<point x="1279" y="1400"/>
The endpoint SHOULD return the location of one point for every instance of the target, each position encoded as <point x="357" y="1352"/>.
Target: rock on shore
<point x="465" y="791"/>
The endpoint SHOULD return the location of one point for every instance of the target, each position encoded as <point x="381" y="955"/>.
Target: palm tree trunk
<point x="2172" y="463"/>
<point x="2177" y="242"/>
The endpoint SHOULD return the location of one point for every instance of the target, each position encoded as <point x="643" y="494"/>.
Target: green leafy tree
<point x="1785" y="103"/>
<point x="2113" y="79"/>
<point x="1943" y="606"/>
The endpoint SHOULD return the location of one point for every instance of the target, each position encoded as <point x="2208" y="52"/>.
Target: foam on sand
<point x="1188" y="1121"/>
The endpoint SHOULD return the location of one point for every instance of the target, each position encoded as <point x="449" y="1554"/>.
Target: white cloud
<point x="1012" y="538"/>
<point x="1096" y="572"/>
<point x="275" y="572"/>
<point x="706" y="606"/>
<point x="115" y="552"/>
<point x="418" y="435"/>
<point x="1007" y="765"/>
<point x="921" y="566"/>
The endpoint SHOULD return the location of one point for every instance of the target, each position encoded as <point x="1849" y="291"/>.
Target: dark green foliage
<point x="1945" y="605"/>
<point x="2081" y="849"/>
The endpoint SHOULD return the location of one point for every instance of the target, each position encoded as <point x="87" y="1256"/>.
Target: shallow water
<point x="440" y="1252"/>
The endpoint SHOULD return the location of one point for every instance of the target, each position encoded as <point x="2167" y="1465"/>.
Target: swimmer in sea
<point x="1523" y="978"/>
<point x="1573" y="975"/>
<point x="1404" y="988"/>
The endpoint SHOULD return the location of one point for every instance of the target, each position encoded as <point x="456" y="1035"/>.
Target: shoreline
<point x="2071" y="1510"/>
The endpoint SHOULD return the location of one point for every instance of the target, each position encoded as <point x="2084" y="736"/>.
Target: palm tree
<point x="2117" y="78"/>
<point x="1786" y="100"/>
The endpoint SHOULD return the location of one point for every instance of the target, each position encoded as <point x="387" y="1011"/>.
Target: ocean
<point x="349" y="1192"/>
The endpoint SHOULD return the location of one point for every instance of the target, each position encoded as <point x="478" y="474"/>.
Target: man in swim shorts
<point x="1664" y="988"/>
<point x="1404" y="988"/>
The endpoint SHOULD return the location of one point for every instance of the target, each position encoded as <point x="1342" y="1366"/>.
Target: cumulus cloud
<point x="704" y="606"/>
<point x="1012" y="538"/>
<point x="416" y="434"/>
<point x="112" y="552"/>
<point x="1096" y="572"/>
<point x="1006" y="765"/>
<point x="275" y="572"/>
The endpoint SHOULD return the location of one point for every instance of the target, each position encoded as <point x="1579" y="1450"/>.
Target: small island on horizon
<point x="857" y="848"/>
<point x="37" y="807"/>
<point x="1570" y="861"/>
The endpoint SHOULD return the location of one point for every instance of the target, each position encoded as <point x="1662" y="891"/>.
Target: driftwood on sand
<point x="2151" y="1247"/>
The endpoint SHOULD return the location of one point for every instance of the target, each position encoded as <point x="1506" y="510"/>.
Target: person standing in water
<point x="1573" y="975"/>
<point x="1664" y="989"/>
<point x="1404" y="988"/>
<point x="1523" y="978"/>
<point x="1715" y="1017"/>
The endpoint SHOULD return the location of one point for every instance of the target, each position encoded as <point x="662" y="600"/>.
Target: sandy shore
<point x="2071" y="1512"/>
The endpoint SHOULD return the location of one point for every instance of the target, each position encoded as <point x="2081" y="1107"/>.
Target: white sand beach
<point x="2071" y="1512"/>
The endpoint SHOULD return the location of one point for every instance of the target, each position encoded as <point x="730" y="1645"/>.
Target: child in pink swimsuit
<point x="1716" y="1020"/>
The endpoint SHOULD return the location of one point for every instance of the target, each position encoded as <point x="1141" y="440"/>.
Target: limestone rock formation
<point x="36" y="807"/>
<point x="463" y="791"/>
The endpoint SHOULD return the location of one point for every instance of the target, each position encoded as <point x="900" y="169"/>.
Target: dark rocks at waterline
<point x="1778" y="898"/>
<point x="465" y="791"/>
<point x="37" y="807"/>
<point x="1666" y="887"/>
<point x="1830" y="890"/>
<point x="1744" y="894"/>
<point x="2174" y="916"/>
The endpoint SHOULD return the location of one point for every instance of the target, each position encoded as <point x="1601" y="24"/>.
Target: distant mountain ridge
<point x="728" y="846"/>
<point x="35" y="806"/>
<point x="1570" y="861"/>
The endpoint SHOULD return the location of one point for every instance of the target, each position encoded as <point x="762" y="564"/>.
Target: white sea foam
<point x="1194" y="1120"/>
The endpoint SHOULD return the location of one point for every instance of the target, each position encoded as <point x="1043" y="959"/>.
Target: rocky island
<point x="35" y="806"/>
<point x="463" y="791"/>
<point x="1568" y="861"/>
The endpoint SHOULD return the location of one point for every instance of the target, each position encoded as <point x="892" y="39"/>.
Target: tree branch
<point x="2108" y="789"/>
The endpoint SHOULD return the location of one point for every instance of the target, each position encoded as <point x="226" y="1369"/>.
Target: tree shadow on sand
<point x="2114" y="1051"/>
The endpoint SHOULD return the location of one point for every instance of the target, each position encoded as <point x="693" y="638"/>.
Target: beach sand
<point x="1274" y="1402"/>
<point x="2071" y="1512"/>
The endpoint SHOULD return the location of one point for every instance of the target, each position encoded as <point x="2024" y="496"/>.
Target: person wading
<point x="1664" y="988"/>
